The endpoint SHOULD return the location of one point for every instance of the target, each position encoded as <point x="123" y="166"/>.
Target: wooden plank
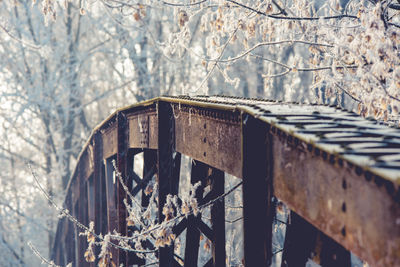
<point x="257" y="192"/>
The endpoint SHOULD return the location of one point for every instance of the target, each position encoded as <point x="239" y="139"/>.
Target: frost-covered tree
<point x="66" y="64"/>
<point x="342" y="52"/>
<point x="59" y="78"/>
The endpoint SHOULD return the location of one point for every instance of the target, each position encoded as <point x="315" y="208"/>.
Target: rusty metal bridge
<point x="338" y="173"/>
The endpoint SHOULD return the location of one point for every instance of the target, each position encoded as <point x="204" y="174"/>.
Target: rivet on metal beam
<point x="343" y="231"/>
<point x="378" y="181"/>
<point x="368" y="176"/>
<point x="332" y="159"/>
<point x="309" y="147"/>
<point x="344" y="184"/>
<point x="389" y="187"/>
<point x="340" y="161"/>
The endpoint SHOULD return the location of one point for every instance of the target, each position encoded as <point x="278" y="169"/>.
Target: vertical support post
<point x="97" y="183"/>
<point x="91" y="204"/>
<point x="257" y="192"/>
<point x="70" y="237"/>
<point x="122" y="155"/>
<point x="199" y="173"/>
<point x="299" y="241"/>
<point x="83" y="218"/>
<point x="332" y="253"/>
<point x="218" y="219"/>
<point x="132" y="258"/>
<point x="91" y="201"/>
<point x="149" y="160"/>
<point x="78" y="255"/>
<point x="112" y="216"/>
<point x="304" y="240"/>
<point x="165" y="177"/>
<point x="56" y="255"/>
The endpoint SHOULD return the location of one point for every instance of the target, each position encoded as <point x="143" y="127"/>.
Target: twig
<point x="291" y="18"/>
<point x="156" y="227"/>
<point x="218" y="60"/>
<point x="149" y="264"/>
<point x="190" y="4"/>
<point x="65" y="212"/>
<point x="43" y="259"/>
<point x="347" y="93"/>
<point x="283" y="11"/>
<point x="219" y="57"/>
<point x="19" y="40"/>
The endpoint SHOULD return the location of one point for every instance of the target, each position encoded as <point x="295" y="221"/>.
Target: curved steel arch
<point x="337" y="172"/>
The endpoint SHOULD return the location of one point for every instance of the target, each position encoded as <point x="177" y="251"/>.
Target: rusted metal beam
<point x="349" y="205"/>
<point x="110" y="141"/>
<point x="83" y="218"/>
<point x="210" y="136"/>
<point x="165" y="177"/>
<point x="304" y="242"/>
<point x="91" y="199"/>
<point x="258" y="210"/>
<point x="112" y="208"/>
<point x="91" y="204"/>
<point x="69" y="235"/>
<point x="100" y="209"/>
<point x="199" y="173"/>
<point x="218" y="219"/>
<point x="332" y="254"/>
<point x="121" y="164"/>
<point x="356" y="204"/>
<point x="149" y="170"/>
<point x="132" y="258"/>
<point x="86" y="163"/>
<point x="143" y="129"/>
<point x="299" y="243"/>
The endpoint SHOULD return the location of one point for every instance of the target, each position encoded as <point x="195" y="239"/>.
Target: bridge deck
<point x="337" y="171"/>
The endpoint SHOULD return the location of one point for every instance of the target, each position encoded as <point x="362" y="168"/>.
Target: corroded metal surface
<point x="359" y="214"/>
<point x="210" y="136"/>
<point x="143" y="130"/>
<point x="339" y="172"/>
<point x="110" y="144"/>
<point x="86" y="163"/>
